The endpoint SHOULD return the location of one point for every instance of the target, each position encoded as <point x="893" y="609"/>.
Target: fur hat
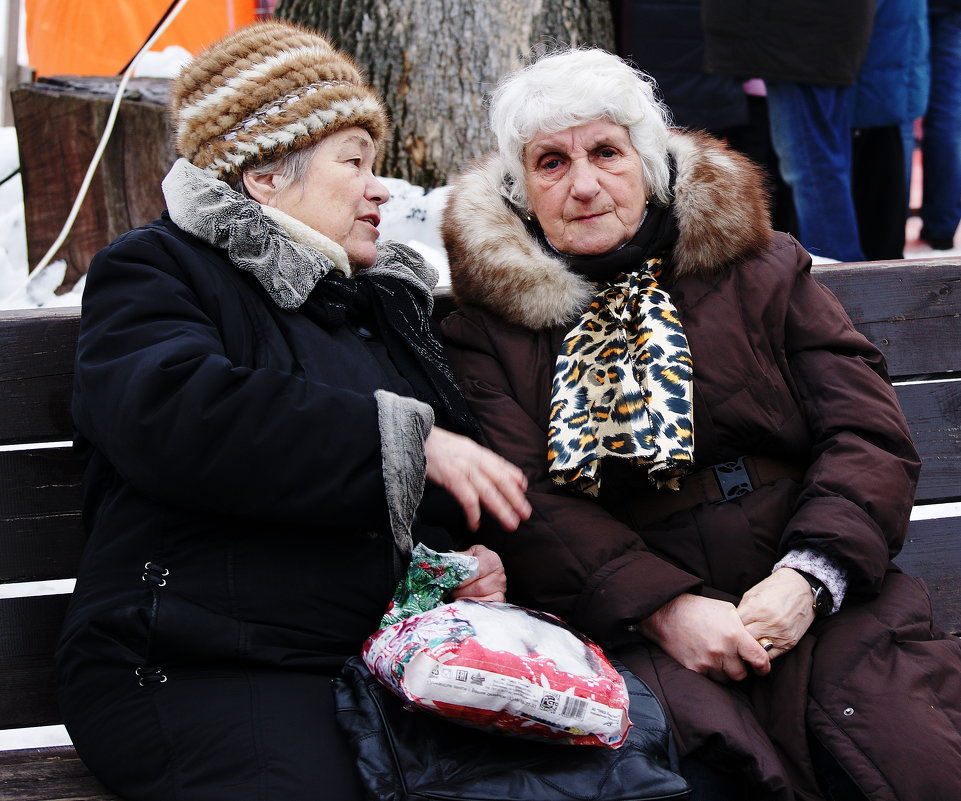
<point x="264" y="91"/>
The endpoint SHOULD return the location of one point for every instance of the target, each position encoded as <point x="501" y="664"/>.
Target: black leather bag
<point x="411" y="755"/>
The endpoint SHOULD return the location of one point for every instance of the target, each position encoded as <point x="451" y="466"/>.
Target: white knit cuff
<point x="404" y="425"/>
<point x="822" y="568"/>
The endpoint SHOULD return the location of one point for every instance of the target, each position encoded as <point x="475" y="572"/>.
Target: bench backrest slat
<point x="28" y="689"/>
<point x="37" y="347"/>
<point x="933" y="412"/>
<point x="39" y="514"/>
<point x="910" y="309"/>
<point x="933" y="552"/>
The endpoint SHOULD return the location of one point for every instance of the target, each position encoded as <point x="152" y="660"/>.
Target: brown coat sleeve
<point x="858" y="492"/>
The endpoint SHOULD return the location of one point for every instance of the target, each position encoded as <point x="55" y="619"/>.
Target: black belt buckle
<point x="733" y="479"/>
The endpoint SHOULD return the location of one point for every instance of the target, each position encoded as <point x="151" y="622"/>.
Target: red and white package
<point x="502" y="667"/>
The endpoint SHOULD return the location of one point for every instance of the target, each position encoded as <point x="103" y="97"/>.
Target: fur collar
<point x="719" y="202"/>
<point x="285" y="255"/>
<point x="255" y="242"/>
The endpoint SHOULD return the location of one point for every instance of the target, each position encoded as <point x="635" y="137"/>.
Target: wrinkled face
<point x="339" y="196"/>
<point x="585" y="186"/>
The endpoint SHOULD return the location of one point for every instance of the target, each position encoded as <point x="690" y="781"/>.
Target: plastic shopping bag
<point x="494" y="666"/>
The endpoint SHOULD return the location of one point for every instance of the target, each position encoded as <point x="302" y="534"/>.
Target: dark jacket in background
<point x="892" y="87"/>
<point x="891" y="90"/>
<point x="664" y="39"/>
<point x="799" y="41"/>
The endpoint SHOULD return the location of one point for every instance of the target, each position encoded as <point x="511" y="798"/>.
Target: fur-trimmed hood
<point x="718" y="201"/>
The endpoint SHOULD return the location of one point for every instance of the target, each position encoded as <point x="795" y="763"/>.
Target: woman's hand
<point x="706" y="635"/>
<point x="476" y="477"/>
<point x="491" y="581"/>
<point x="778" y="609"/>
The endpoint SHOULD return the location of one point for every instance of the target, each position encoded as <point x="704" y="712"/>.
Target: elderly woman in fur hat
<point x="268" y="422"/>
<point x="719" y="469"/>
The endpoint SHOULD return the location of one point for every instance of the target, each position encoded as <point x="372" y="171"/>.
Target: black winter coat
<point x="234" y="446"/>
<point x="800" y="41"/>
<point x="665" y="40"/>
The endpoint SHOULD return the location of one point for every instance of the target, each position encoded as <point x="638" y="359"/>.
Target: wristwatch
<point x="823" y="603"/>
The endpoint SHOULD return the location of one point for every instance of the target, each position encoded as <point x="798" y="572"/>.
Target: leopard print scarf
<point x="622" y="387"/>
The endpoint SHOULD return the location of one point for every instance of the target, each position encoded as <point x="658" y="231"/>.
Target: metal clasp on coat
<point x="155" y="574"/>
<point x="733" y="479"/>
<point x="150" y="674"/>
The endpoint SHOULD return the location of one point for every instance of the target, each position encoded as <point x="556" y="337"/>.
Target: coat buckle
<point x="733" y="479"/>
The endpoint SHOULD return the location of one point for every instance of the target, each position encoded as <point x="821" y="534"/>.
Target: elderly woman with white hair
<point x="719" y="470"/>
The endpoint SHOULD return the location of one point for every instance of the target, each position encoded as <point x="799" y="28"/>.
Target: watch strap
<point x="822" y="602"/>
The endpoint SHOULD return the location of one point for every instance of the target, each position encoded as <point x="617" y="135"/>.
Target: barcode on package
<point x="574" y="707"/>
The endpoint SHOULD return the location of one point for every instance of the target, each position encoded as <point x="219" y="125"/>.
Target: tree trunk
<point x="59" y="123"/>
<point x="434" y="61"/>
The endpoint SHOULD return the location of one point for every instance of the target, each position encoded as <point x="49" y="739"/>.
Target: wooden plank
<point x="932" y="552"/>
<point x="933" y="412"/>
<point x="40" y="498"/>
<point x="59" y="124"/>
<point x="48" y="774"/>
<point x="36" y="374"/>
<point x="917" y="347"/>
<point x="907" y="289"/>
<point x="912" y="311"/>
<point x="29" y="629"/>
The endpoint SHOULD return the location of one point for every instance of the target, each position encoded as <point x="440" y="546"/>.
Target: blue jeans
<point x="941" y="146"/>
<point x="811" y="133"/>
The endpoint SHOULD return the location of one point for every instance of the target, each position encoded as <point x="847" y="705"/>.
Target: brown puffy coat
<point x="779" y="372"/>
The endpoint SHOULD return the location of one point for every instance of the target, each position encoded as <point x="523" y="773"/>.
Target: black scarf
<point x="655" y="238"/>
<point x="299" y="276"/>
<point x="406" y="329"/>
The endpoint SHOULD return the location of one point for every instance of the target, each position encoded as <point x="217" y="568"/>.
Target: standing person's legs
<point x="811" y="132"/>
<point x="754" y="140"/>
<point x="879" y="191"/>
<point x="909" y="142"/>
<point x="941" y="143"/>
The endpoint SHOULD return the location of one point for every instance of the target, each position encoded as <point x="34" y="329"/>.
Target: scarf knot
<point x="623" y="387"/>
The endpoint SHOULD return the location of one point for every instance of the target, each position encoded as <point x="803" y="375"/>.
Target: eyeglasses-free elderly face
<point x="585" y="186"/>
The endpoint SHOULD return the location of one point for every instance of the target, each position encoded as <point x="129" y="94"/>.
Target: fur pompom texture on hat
<point x="264" y="91"/>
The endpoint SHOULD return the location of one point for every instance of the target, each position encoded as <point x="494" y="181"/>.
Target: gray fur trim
<point x="212" y="211"/>
<point x="404" y="426"/>
<point x="285" y="255"/>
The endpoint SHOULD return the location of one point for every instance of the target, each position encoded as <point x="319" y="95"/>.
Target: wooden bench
<point x="910" y="309"/>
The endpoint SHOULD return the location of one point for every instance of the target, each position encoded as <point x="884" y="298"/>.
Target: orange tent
<point x="99" y="37"/>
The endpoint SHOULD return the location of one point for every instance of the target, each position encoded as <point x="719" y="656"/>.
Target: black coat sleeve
<point x="157" y="395"/>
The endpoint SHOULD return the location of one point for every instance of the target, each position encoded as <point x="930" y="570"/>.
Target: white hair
<point x="574" y="87"/>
